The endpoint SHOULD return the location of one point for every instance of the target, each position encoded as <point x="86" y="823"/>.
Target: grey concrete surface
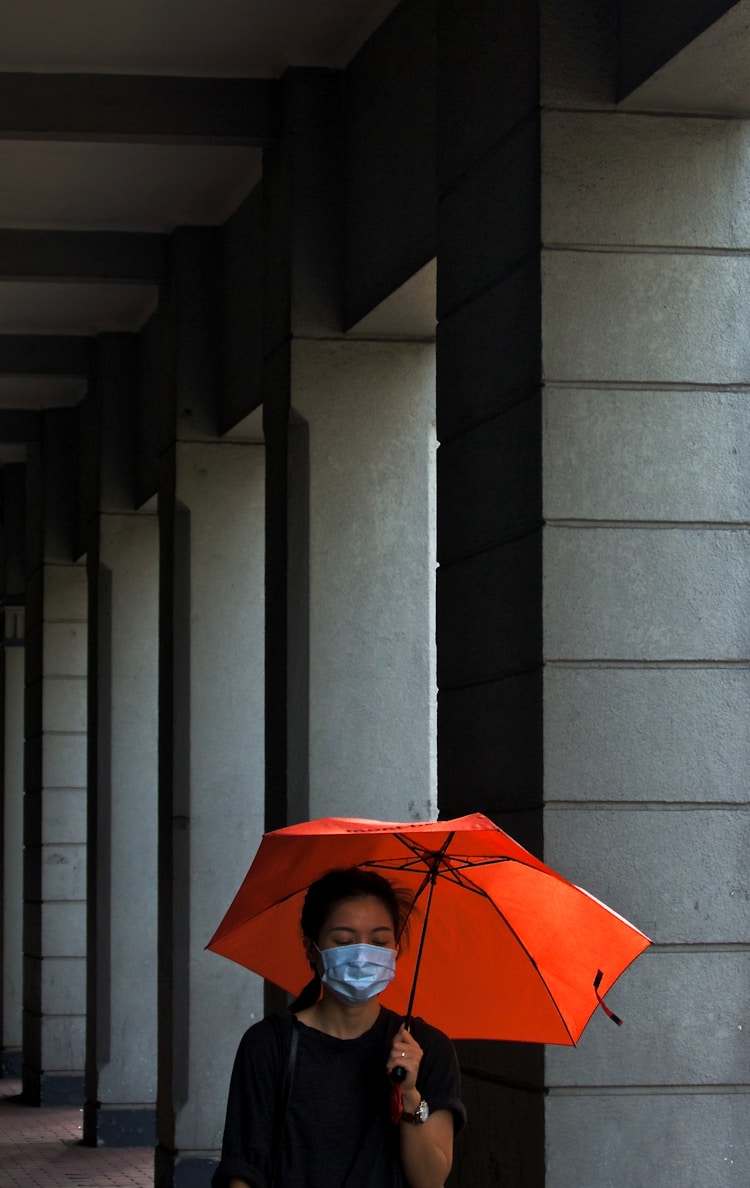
<point x="640" y="734"/>
<point x="691" y="1139"/>
<point x="369" y="408"/>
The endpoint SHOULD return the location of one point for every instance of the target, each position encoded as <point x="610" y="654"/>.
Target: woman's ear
<point x="312" y="954"/>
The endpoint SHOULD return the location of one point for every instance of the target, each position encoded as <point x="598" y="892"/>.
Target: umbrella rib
<point x="444" y="868"/>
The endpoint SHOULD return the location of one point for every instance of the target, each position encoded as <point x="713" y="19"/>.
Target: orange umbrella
<point x="507" y="950"/>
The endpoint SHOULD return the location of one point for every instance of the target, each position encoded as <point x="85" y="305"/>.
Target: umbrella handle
<point x="398" y="1074"/>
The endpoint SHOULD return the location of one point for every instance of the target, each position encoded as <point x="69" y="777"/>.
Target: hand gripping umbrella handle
<point x="398" y="1074"/>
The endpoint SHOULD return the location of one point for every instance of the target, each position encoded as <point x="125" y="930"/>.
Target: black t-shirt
<point x="337" y="1131"/>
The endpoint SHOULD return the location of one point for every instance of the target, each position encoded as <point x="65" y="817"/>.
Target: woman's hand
<point x="426" y="1149"/>
<point x="407" y="1054"/>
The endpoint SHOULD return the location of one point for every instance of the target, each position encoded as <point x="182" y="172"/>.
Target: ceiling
<point x="230" y="38"/>
<point x="77" y="178"/>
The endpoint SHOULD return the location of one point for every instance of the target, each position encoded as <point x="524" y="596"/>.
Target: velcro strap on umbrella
<point x="611" y="1014"/>
<point x="397" y="1107"/>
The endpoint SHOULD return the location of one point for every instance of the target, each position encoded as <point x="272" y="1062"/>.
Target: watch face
<point x="422" y="1112"/>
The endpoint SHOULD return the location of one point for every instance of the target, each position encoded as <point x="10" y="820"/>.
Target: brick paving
<point x="41" y="1148"/>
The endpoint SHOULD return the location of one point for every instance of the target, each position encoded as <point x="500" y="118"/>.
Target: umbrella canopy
<point x="511" y="950"/>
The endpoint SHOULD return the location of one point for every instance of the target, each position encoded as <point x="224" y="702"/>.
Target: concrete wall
<point x="646" y="435"/>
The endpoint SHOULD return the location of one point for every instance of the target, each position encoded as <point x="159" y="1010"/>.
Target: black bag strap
<point x="286" y="1093"/>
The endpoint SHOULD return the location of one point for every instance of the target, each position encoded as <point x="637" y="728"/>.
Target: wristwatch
<point x="420" y="1115"/>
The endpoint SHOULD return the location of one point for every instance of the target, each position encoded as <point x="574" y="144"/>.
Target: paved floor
<point x="41" y="1148"/>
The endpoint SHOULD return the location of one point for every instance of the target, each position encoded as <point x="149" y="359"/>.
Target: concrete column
<point x="211" y="519"/>
<point x="646" y="587"/>
<point x="12" y="832"/>
<point x="301" y="254"/>
<point x="489" y="501"/>
<point x="11" y="825"/>
<point x="122" y="558"/>
<point x="633" y="596"/>
<point x="371" y="697"/>
<point x="350" y="434"/>
<point x="55" y="779"/>
<point x="122" y="1111"/>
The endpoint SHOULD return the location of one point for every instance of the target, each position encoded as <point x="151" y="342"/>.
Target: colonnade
<point x="231" y="616"/>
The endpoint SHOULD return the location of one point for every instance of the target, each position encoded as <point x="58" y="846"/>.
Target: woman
<point x="311" y="1101"/>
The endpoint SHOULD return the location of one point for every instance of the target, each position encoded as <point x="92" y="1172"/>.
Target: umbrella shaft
<point x="409" y="1009"/>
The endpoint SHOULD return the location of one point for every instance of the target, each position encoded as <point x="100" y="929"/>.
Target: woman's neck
<point x="338" y="1019"/>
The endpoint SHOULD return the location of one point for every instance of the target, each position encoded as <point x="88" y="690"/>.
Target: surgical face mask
<point x="355" y="973"/>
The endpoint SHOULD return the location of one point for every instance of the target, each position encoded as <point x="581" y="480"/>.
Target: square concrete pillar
<point x="211" y="513"/>
<point x="646" y="582"/>
<point x="594" y="563"/>
<point x="369" y="706"/>
<point x="54" y="773"/>
<point x="55" y="838"/>
<point x="12" y="660"/>
<point x="122" y="1042"/>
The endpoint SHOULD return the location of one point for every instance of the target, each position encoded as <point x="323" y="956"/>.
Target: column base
<point x="182" y="1171"/>
<point x="119" y="1126"/>
<point x="52" y="1089"/>
<point x="11" y="1064"/>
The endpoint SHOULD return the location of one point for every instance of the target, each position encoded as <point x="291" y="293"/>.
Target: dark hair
<point x="353" y="882"/>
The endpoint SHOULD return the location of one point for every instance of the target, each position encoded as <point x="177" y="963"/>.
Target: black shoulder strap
<point x="286" y="1092"/>
<point x="291" y="1063"/>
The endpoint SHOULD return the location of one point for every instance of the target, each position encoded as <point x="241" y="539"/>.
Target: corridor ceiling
<point x="97" y="167"/>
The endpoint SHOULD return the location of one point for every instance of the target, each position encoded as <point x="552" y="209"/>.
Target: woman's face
<point x="364" y="920"/>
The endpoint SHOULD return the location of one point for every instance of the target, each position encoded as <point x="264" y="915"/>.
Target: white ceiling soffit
<point x="219" y="38"/>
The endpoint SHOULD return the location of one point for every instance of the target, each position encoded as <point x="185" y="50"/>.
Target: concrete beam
<point x="44" y="354"/>
<point x="83" y="255"/>
<point x="19" y="427"/>
<point x="138" y="108"/>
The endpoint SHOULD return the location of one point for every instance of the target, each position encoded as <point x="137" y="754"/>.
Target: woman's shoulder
<point x="273" y="1031"/>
